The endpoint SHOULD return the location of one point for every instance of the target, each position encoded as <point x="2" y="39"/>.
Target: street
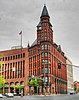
<point x="55" y="97"/>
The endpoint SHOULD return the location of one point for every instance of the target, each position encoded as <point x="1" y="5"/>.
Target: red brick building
<point x="44" y="56"/>
<point x="18" y="59"/>
<point x="40" y="60"/>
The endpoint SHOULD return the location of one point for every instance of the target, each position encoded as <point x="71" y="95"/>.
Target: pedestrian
<point x="56" y="92"/>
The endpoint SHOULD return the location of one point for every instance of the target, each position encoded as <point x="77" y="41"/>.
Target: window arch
<point x="22" y="83"/>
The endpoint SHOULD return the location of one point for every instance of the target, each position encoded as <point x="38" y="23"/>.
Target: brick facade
<point x="44" y="56"/>
<point x="40" y="60"/>
<point x="17" y="59"/>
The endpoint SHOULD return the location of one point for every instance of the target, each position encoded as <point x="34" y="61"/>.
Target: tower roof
<point x="39" y="25"/>
<point x="34" y="43"/>
<point x="44" y="11"/>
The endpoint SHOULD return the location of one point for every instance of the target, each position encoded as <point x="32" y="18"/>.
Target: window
<point x="45" y="79"/>
<point x="13" y="57"/>
<point x="48" y="38"/>
<point x="45" y="70"/>
<point x="34" y="58"/>
<point x="5" y="58"/>
<point x="46" y="54"/>
<point x="45" y="47"/>
<point x="43" y="54"/>
<point x="23" y="54"/>
<point x="45" y="38"/>
<point x="45" y="33"/>
<point x="34" y="64"/>
<point x="48" y="47"/>
<point x="42" y="47"/>
<point x="8" y="58"/>
<point x="18" y="56"/>
<point x="45" y="62"/>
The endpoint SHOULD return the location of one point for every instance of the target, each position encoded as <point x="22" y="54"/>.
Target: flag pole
<point x="21" y="39"/>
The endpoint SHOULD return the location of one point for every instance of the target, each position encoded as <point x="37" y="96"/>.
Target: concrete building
<point x="39" y="60"/>
<point x="70" y="86"/>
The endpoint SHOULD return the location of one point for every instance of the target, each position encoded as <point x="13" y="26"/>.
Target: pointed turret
<point x="44" y="11"/>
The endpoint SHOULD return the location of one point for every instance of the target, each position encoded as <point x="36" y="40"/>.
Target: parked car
<point x="71" y="91"/>
<point x="9" y="95"/>
<point x="1" y="96"/>
<point x="15" y="94"/>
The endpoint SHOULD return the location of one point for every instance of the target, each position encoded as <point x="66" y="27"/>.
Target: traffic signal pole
<point x="64" y="63"/>
<point x="69" y="65"/>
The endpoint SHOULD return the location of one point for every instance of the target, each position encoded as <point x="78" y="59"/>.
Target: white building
<point x="70" y="87"/>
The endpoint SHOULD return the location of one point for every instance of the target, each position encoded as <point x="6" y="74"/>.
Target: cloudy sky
<point x="17" y="15"/>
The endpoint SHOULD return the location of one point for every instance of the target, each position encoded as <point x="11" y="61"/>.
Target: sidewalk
<point x="51" y="95"/>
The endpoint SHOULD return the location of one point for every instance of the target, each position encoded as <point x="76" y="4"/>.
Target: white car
<point x="1" y="96"/>
<point x="9" y="95"/>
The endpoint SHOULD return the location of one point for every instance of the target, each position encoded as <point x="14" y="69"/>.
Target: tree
<point x="19" y="88"/>
<point x="36" y="82"/>
<point x="2" y="82"/>
<point x="2" y="79"/>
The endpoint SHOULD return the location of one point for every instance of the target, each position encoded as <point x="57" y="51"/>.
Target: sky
<point x="24" y="15"/>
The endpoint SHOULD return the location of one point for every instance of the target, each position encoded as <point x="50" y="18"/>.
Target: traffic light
<point x="59" y="65"/>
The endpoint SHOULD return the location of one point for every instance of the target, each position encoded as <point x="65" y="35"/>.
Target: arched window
<point x="21" y="83"/>
<point x="17" y="83"/>
<point x="11" y="83"/>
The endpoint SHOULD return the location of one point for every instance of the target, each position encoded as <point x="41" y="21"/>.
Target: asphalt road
<point x="55" y="97"/>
